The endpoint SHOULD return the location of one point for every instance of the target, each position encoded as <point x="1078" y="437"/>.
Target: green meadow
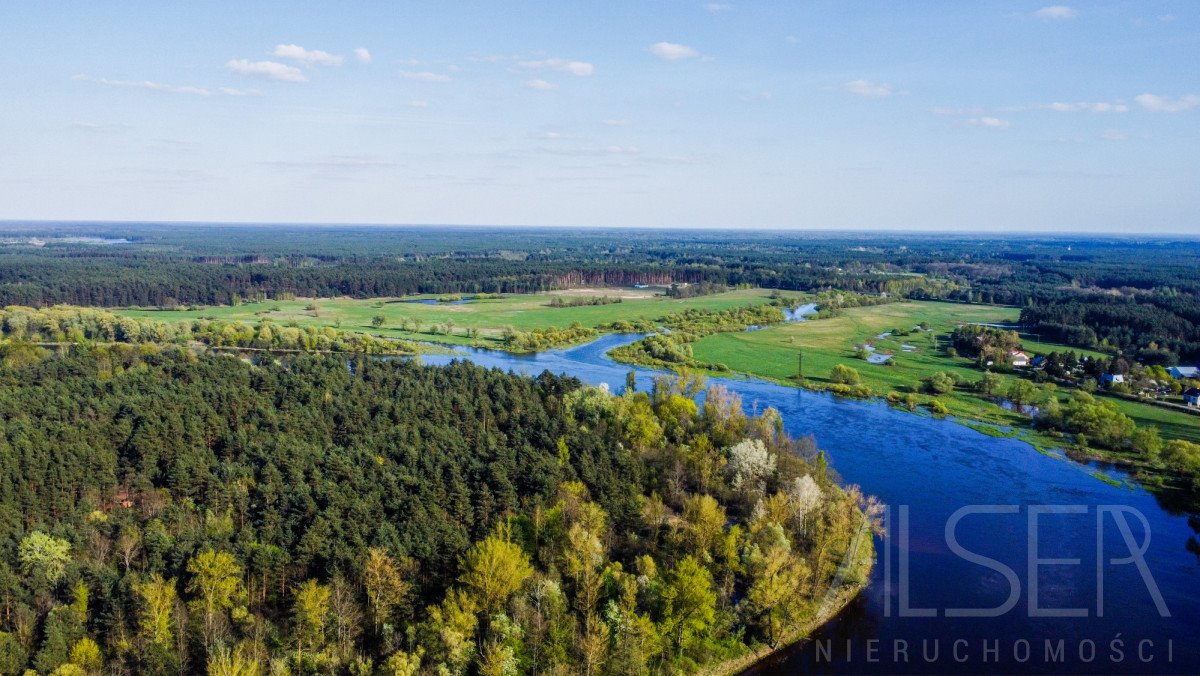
<point x="770" y="353"/>
<point x="449" y="322"/>
<point x="774" y="353"/>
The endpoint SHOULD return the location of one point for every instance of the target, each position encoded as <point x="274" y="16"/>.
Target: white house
<point x="1181" y="372"/>
<point x="1018" y="358"/>
<point x="1192" y="397"/>
<point x="1112" y="378"/>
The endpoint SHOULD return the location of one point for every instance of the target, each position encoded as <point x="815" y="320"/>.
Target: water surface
<point x="933" y="468"/>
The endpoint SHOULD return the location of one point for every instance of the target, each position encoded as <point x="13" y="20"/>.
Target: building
<point x="1181" y="372"/>
<point x="1018" y="358"/>
<point x="1192" y="397"/>
<point x="1112" y="378"/>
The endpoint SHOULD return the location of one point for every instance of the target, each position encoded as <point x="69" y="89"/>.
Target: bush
<point x="939" y="383"/>
<point x="844" y="375"/>
<point x="840" y="389"/>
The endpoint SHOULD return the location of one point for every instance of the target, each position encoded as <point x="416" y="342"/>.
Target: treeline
<point x="583" y="301"/>
<point x="62" y="324"/>
<point x="695" y="290"/>
<point x="673" y="350"/>
<point x="1156" y="327"/>
<point x="537" y="340"/>
<point x="212" y="265"/>
<point x="833" y="303"/>
<point x="192" y="514"/>
<point x="698" y="322"/>
<point x="1135" y="297"/>
<point x="1098" y="423"/>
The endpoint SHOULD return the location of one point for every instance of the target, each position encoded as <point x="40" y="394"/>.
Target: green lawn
<point x="1171" y="424"/>
<point x="772" y="353"/>
<point x="488" y="316"/>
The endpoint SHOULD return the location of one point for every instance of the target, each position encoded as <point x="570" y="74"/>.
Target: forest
<point x="163" y="511"/>
<point x="1135" y="296"/>
<point x="252" y="497"/>
<point x="65" y="326"/>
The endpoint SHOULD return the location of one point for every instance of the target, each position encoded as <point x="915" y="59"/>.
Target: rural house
<point x="1181" y="372"/>
<point x="1018" y="358"/>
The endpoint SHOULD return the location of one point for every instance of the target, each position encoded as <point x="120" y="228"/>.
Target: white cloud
<point x="417" y="104"/>
<point x="617" y="123"/>
<point x="990" y="122"/>
<point x="146" y="84"/>
<point x="160" y="87"/>
<point x="310" y="57"/>
<point x="1114" y="135"/>
<point x="362" y="54"/>
<point x="98" y="128"/>
<point x="1086" y="106"/>
<point x="869" y="89"/>
<point x="334" y="164"/>
<point x="424" y="76"/>
<point x="578" y="68"/>
<point x="948" y="110"/>
<point x="1056" y="13"/>
<point x="716" y="7"/>
<point x="588" y="150"/>
<point x="269" y="69"/>
<point x="541" y="85"/>
<point x="1162" y="104"/>
<point x="671" y="51"/>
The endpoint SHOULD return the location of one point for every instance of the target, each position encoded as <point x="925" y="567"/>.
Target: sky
<point x="990" y="116"/>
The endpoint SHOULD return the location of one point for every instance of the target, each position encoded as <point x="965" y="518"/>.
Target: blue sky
<point x="913" y="115"/>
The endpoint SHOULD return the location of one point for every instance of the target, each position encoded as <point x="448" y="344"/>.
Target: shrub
<point x="939" y="383"/>
<point x="844" y="375"/>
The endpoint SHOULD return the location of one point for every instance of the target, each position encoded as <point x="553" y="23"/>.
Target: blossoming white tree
<point x="750" y="464"/>
<point x="806" y="497"/>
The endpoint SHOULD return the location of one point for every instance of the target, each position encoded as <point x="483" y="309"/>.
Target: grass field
<point x="769" y="353"/>
<point x="772" y="353"/>
<point x="488" y="316"/>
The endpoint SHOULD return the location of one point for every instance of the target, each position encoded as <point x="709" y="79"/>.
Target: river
<point x="929" y="469"/>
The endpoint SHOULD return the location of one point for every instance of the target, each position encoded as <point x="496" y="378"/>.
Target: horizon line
<point x="661" y="228"/>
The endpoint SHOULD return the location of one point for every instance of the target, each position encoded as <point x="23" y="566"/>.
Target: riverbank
<point x="851" y="580"/>
<point x="826" y="354"/>
<point x="935" y="468"/>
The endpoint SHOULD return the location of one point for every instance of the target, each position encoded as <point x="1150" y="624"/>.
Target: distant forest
<point x="1138" y="297"/>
